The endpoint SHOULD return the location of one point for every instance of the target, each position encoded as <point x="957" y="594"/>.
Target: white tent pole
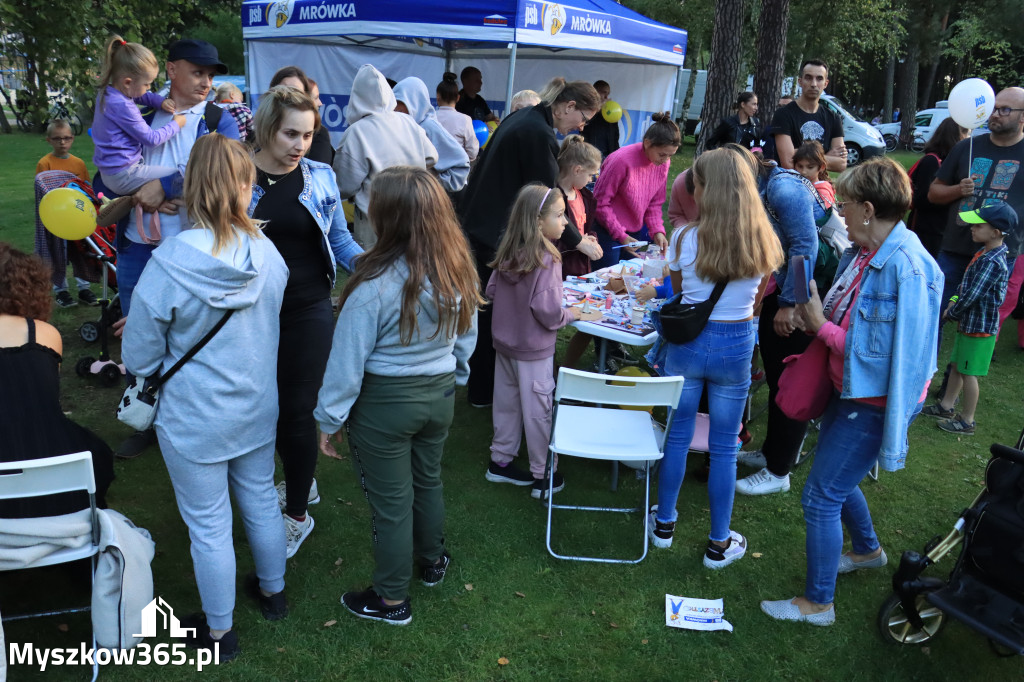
<point x="511" y="77"/>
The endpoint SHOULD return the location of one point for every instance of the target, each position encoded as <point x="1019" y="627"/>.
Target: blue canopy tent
<point x="517" y="44"/>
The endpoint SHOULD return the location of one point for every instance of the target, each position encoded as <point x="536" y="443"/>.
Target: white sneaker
<point x="754" y="460"/>
<point x="295" y="532"/>
<point x="282" y="494"/>
<point x="763" y="482"/>
<point x="715" y="557"/>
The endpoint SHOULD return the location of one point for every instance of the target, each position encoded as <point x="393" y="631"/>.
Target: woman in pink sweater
<point x="631" y="191"/>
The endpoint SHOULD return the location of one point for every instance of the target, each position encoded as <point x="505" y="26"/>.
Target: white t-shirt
<point x="737" y="301"/>
<point x="173" y="154"/>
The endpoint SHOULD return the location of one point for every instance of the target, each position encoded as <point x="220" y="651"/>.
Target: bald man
<point x="966" y="180"/>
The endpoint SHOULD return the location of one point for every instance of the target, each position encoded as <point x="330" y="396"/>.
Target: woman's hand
<point x="810" y="316"/>
<point x="576" y="313"/>
<point x="660" y="240"/>
<point x="327" y="447"/>
<point x="590" y="248"/>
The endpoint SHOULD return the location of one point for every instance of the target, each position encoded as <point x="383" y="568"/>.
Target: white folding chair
<point x="609" y="433"/>
<point x="50" y="476"/>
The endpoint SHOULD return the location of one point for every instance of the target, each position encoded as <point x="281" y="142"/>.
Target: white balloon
<point x="971" y="102"/>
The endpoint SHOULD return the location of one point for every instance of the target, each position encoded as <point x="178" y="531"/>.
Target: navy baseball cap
<point x="1001" y="216"/>
<point x="198" y="52"/>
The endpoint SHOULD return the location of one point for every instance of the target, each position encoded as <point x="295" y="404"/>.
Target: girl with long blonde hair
<point x="402" y="343"/>
<point x="526" y="288"/>
<point x="732" y="243"/>
<point x="216" y="415"/>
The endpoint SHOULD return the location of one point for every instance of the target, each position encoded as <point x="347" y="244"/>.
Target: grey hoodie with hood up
<point x="222" y="403"/>
<point x="452" y="165"/>
<point x="377" y="137"/>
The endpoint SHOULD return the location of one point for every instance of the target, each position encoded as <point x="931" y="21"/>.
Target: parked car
<point x="861" y="139"/>
<point x="925" y="123"/>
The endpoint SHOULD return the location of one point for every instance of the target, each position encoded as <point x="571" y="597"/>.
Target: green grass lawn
<point x="504" y="595"/>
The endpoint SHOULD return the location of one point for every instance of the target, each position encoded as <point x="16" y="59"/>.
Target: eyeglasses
<point x="585" y="118"/>
<point x="1005" y="111"/>
<point x="67" y="138"/>
<point x="840" y="205"/>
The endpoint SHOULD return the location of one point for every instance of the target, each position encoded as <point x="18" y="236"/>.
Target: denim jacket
<point x="792" y="210"/>
<point x="320" y="197"/>
<point x="892" y="340"/>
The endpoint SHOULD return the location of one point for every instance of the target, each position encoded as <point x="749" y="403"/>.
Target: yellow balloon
<point x="68" y="213"/>
<point x="630" y="371"/>
<point x="491" y="126"/>
<point x="350" y="213"/>
<point x="611" y="111"/>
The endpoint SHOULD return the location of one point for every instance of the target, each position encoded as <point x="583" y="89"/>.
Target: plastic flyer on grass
<point x="695" y="614"/>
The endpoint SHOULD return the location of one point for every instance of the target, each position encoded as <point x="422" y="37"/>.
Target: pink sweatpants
<point x="1012" y="294"/>
<point x="523" y="394"/>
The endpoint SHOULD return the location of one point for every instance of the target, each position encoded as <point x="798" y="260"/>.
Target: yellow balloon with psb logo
<point x="630" y="371"/>
<point x="68" y="213"/>
<point x="611" y="111"/>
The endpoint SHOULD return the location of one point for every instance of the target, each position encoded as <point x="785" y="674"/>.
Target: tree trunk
<point x="725" y="61"/>
<point x="5" y="125"/>
<point x="908" y="87"/>
<point x="771" y="56"/>
<point x="890" y="81"/>
<point x="933" y="68"/>
<point x="690" y="86"/>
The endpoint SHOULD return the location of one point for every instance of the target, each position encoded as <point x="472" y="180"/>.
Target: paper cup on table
<point x="637" y="316"/>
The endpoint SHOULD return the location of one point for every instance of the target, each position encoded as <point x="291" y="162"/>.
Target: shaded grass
<point x="575" y="621"/>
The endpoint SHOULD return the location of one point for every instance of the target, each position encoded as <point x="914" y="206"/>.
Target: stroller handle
<point x="1006" y="452"/>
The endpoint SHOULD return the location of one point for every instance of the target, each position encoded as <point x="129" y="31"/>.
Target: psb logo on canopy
<point x="278" y="13"/>
<point x="554" y="18"/>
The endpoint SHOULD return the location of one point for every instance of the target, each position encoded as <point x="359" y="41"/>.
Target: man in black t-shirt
<point x="968" y="180"/>
<point x="470" y="102"/>
<point x="805" y="119"/>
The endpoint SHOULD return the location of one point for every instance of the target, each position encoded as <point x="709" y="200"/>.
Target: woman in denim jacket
<point x="793" y="210"/>
<point x="298" y="200"/>
<point x="879" y="321"/>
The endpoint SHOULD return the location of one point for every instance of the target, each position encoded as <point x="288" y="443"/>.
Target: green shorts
<point x="973" y="354"/>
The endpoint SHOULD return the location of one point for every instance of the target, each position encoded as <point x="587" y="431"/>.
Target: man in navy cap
<point x="975" y="309"/>
<point x="191" y="65"/>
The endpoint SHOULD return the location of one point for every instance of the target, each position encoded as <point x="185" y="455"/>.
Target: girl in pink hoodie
<point x="526" y="290"/>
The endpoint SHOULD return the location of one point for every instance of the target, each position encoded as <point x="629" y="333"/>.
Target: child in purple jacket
<point x="118" y="130"/>
<point x="526" y="288"/>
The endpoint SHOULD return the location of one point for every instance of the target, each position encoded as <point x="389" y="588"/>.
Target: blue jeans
<point x="720" y="358"/>
<point x="131" y="261"/>
<point x="848" y="445"/>
<point x="612" y="255"/>
<point x="953" y="266"/>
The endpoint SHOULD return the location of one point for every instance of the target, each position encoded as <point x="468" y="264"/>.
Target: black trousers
<point x="480" y="386"/>
<point x="782" y="441"/>
<point x="306" y="334"/>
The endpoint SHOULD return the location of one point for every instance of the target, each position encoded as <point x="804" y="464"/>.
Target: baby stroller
<point x="95" y="257"/>
<point x="985" y="589"/>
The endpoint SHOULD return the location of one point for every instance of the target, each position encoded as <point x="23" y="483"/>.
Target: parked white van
<point x="862" y="140"/>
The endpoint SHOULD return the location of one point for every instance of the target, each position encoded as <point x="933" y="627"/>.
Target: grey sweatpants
<point x="201" y="491"/>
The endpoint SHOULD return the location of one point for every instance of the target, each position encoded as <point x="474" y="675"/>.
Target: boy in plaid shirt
<point x="976" y="308"/>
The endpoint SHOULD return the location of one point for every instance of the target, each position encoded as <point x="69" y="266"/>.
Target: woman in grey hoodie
<point x="406" y="329"/>
<point x="216" y="417"/>
<point x="452" y="165"/>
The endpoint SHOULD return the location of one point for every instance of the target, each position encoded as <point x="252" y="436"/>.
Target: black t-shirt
<point x="297" y="237"/>
<point x="823" y="125"/>
<point x="475" y="107"/>
<point x="997" y="178"/>
<point x="321" y="148"/>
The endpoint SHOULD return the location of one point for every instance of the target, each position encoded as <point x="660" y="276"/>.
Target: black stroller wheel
<point x="89" y="331"/>
<point x="895" y="627"/>
<point x="84" y="367"/>
<point x="110" y="375"/>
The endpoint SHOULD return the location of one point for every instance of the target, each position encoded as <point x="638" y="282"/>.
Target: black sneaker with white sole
<point x="87" y="297"/>
<point x="432" y="573"/>
<point x="508" y="474"/>
<point x="540" y="487"/>
<point x="368" y="604"/>
<point x="64" y="299"/>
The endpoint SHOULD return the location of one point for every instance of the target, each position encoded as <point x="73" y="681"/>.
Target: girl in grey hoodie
<point x="216" y="417"/>
<point x="402" y="343"/>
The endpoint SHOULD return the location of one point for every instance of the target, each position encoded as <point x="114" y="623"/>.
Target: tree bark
<point x="725" y="61"/>
<point x="907" y="100"/>
<point x="771" y="56"/>
<point x="890" y="81"/>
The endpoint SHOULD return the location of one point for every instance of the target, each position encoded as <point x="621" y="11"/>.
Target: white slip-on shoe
<point x="785" y="609"/>
<point x="848" y="565"/>
<point x="763" y="482"/>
